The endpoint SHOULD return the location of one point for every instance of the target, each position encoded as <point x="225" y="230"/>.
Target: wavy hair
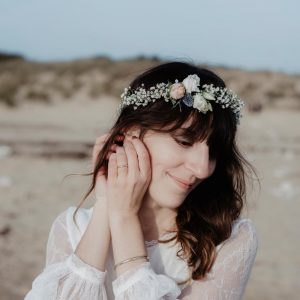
<point x="205" y="218"/>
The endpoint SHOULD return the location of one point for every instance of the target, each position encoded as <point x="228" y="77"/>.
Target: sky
<point x="253" y="35"/>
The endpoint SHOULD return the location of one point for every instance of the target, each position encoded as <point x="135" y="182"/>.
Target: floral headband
<point x="187" y="92"/>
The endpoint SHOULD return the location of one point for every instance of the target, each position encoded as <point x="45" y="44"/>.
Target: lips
<point x="182" y="183"/>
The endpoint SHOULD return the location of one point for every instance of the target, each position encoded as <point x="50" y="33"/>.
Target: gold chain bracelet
<point x="131" y="259"/>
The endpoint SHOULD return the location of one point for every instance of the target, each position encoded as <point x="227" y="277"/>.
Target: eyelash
<point x="184" y="143"/>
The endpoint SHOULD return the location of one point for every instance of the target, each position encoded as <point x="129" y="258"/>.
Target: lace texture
<point x="66" y="276"/>
<point x="142" y="281"/>
<point x="231" y="270"/>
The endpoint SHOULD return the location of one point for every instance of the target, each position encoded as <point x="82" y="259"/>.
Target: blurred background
<point x="63" y="65"/>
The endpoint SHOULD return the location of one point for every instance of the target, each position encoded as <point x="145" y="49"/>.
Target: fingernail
<point x="119" y="138"/>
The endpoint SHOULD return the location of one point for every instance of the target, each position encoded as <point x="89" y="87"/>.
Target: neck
<point x="156" y="220"/>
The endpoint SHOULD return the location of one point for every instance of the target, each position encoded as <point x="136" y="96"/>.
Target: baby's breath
<point x="223" y="96"/>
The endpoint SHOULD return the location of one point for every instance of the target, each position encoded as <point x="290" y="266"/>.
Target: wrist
<point x="101" y="204"/>
<point x="125" y="215"/>
<point x="122" y="218"/>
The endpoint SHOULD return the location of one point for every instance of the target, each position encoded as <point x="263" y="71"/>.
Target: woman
<point x="169" y="183"/>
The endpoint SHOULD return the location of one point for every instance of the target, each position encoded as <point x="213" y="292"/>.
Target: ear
<point x="134" y="131"/>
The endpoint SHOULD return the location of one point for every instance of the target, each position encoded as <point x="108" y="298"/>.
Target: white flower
<point x="201" y="104"/>
<point x="208" y="96"/>
<point x="191" y="83"/>
<point x="177" y="91"/>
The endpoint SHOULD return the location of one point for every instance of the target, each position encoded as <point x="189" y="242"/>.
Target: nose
<point x="198" y="161"/>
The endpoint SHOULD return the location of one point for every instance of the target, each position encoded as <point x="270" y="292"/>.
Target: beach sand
<point x="40" y="144"/>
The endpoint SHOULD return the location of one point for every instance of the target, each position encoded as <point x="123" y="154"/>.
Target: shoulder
<point x="244" y="225"/>
<point x="65" y="219"/>
<point x="244" y="236"/>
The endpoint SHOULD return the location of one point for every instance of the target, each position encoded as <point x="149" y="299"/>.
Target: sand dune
<point x="43" y="141"/>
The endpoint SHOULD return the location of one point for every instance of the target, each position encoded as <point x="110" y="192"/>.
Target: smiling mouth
<point x="180" y="184"/>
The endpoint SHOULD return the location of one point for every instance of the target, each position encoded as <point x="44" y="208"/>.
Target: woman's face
<point x="176" y="168"/>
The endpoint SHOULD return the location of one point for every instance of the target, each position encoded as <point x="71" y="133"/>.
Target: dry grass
<point x="22" y="80"/>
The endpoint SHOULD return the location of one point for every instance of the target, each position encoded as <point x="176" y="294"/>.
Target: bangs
<point x="216" y="129"/>
<point x="198" y="128"/>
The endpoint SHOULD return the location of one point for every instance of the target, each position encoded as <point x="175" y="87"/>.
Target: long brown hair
<point x="205" y="218"/>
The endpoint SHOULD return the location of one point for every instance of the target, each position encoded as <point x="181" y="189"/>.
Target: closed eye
<point x="184" y="143"/>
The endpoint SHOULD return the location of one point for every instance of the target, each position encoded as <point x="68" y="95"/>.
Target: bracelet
<point x="131" y="259"/>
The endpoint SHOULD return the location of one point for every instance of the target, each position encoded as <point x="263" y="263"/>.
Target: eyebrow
<point x="186" y="132"/>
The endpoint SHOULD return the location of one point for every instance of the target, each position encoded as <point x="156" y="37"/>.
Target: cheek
<point x="158" y="167"/>
<point x="162" y="160"/>
<point x="212" y="167"/>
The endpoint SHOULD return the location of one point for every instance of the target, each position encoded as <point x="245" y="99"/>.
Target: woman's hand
<point x="129" y="175"/>
<point x="101" y="181"/>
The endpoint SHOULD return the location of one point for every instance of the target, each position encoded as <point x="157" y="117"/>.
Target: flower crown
<point x="187" y="92"/>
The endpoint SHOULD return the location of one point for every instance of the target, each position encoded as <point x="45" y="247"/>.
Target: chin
<point x="169" y="202"/>
<point x="165" y="197"/>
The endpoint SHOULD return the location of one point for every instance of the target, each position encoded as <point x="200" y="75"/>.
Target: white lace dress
<point x="66" y="276"/>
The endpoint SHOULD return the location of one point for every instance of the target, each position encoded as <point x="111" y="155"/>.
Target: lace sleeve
<point x="65" y="275"/>
<point x="142" y="282"/>
<point x="231" y="270"/>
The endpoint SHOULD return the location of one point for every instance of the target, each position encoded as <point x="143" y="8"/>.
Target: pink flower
<point x="177" y="91"/>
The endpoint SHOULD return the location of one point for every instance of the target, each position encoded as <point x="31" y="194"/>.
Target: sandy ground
<point x="40" y="144"/>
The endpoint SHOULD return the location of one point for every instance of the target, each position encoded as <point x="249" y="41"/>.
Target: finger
<point x="143" y="156"/>
<point x="101" y="171"/>
<point x="132" y="158"/>
<point x="97" y="148"/>
<point x="102" y="138"/>
<point x="109" y="154"/>
<point x="112" y="169"/>
<point x="100" y="141"/>
<point x="112" y="150"/>
<point x="113" y="147"/>
<point x="101" y="180"/>
<point x="122" y="162"/>
<point x="120" y="137"/>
